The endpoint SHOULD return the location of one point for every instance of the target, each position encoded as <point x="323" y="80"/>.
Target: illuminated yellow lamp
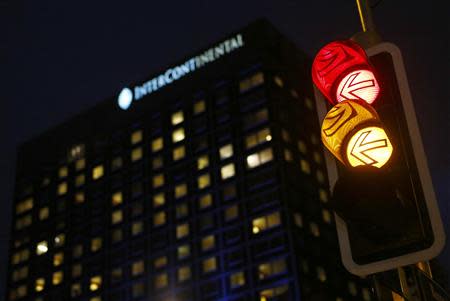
<point x="369" y="146"/>
<point x="353" y="133"/>
<point x="256" y="229"/>
<point x="268" y="137"/>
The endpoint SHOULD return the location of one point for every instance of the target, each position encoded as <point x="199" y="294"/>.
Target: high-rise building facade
<point x="205" y="182"/>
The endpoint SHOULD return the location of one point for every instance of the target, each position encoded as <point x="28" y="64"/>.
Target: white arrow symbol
<point x="360" y="85"/>
<point x="366" y="148"/>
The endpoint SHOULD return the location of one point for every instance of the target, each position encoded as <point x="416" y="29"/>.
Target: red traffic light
<point x="341" y="71"/>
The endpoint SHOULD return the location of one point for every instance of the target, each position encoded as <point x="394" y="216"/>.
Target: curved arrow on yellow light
<point x="369" y="146"/>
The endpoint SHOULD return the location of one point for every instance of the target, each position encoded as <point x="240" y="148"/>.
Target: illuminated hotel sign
<point x="127" y="95"/>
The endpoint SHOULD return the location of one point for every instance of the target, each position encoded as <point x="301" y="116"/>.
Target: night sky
<point x="64" y="57"/>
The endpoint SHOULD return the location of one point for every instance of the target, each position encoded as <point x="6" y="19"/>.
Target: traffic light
<point x="386" y="211"/>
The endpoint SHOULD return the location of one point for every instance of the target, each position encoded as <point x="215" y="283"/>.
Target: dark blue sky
<point x="62" y="58"/>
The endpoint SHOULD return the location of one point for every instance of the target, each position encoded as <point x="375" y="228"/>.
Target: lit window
<point x="80" y="164"/>
<point x="161" y="281"/>
<point x="298" y="220"/>
<point x="75" y="290"/>
<point x="95" y="299"/>
<point x="326" y="216"/>
<point x="159" y="200"/>
<point x="257" y="138"/>
<point x="39" y="285"/>
<point x="160" y="262"/>
<point x="63" y="172"/>
<point x="95" y="283"/>
<point x="20" y="274"/>
<point x="301" y="145"/>
<point x="259" y="158"/>
<point x="304" y="165"/>
<point x="97" y="172"/>
<point x="136" y="154"/>
<point x="251" y="82"/>
<point x="237" y="279"/>
<point x="321" y="274"/>
<point x="116" y="217"/>
<point x="323" y="196"/>
<point x="184" y="273"/>
<point x="231" y="212"/>
<point x="209" y="265"/>
<point x="137" y="268"/>
<point x="314" y="229"/>
<point x="181" y="210"/>
<point x="177" y="118"/>
<point x="278" y="81"/>
<point x="43" y="213"/>
<point x="136" y="137"/>
<point x="137" y="228"/>
<point x="285" y="135"/>
<point x="57" y="277"/>
<point x="182" y="230"/>
<point x="183" y="251"/>
<point x="77" y="251"/>
<point x="159" y="218"/>
<point x="268" y="269"/>
<point x="77" y="269"/>
<point x="270" y="293"/>
<point x="62" y="188"/>
<point x="178" y="135"/>
<point x="266" y="222"/>
<point x="157" y="162"/>
<point x="157" y="144"/>
<point x="59" y="240"/>
<point x="96" y="244"/>
<point x="317" y="158"/>
<point x="24" y="206"/>
<point x="116" y="163"/>
<point x="203" y="181"/>
<point x="199" y="107"/>
<point x="58" y="259"/>
<point x="227" y="171"/>
<point x="179" y="153"/>
<point x="226" y="151"/>
<point x="42" y="248"/>
<point x="205" y="201"/>
<point x="287" y="155"/>
<point x="180" y="190"/>
<point x="208" y="242"/>
<point x="320" y="176"/>
<point x="202" y="162"/>
<point x="80" y="180"/>
<point x="158" y="181"/>
<point x="117" y="198"/>
<point x="79" y="197"/>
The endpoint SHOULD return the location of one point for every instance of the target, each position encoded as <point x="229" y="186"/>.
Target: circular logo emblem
<point x="125" y="98"/>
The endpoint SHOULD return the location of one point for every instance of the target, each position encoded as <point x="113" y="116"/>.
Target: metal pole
<point x="365" y="15"/>
<point x="368" y="37"/>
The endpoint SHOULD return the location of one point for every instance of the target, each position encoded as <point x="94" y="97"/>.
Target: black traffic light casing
<point x="387" y="217"/>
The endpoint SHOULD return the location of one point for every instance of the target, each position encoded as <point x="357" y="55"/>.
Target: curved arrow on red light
<point x="360" y="85"/>
<point x="361" y="148"/>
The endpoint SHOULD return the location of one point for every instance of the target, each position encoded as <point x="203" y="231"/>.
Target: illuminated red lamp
<point x="341" y="71"/>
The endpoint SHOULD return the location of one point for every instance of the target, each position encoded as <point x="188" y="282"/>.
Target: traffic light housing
<point x="386" y="217"/>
